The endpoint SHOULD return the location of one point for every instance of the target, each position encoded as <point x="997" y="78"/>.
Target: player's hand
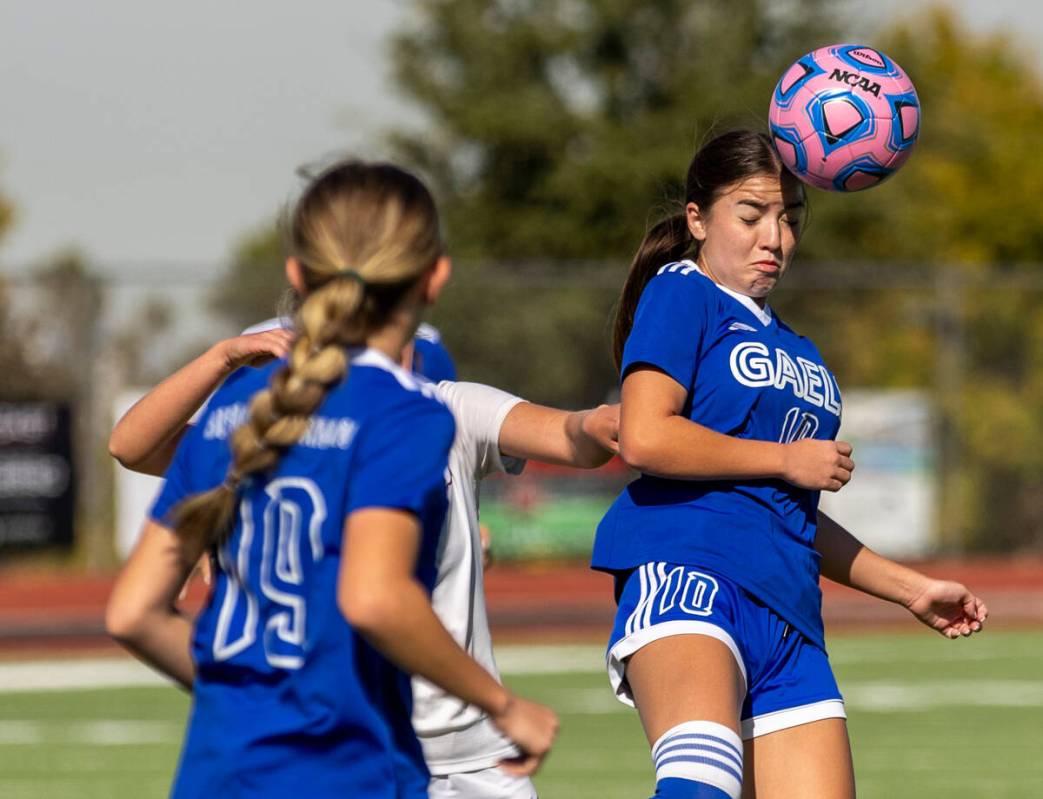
<point x="817" y="465"/>
<point x="532" y="728"/>
<point x="602" y="425"/>
<point x="254" y="349"/>
<point x="948" y="607"/>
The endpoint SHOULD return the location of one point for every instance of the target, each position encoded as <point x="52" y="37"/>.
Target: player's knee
<point x="698" y="760"/>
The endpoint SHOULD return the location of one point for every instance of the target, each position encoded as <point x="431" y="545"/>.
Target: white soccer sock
<point x="701" y="751"/>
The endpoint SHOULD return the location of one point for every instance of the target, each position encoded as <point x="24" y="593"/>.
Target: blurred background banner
<point x="894" y="502"/>
<point x="37" y="486"/>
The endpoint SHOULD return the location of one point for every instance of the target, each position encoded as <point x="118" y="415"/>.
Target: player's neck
<point x="393" y="337"/>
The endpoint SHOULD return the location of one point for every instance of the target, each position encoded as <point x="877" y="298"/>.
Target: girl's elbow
<point x="636" y="452"/>
<point x="124" y="622"/>
<point x="118" y="450"/>
<point x="366" y="609"/>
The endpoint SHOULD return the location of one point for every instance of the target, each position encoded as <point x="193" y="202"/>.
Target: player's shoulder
<point x="387" y="387"/>
<point x="242" y="384"/>
<point x="478" y="408"/>
<point x="428" y="332"/>
<point x="275" y="323"/>
<point x="681" y="276"/>
<point x="789" y="333"/>
<point x="378" y="370"/>
<point x="229" y="406"/>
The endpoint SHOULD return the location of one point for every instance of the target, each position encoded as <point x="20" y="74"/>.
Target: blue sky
<point x="148" y="133"/>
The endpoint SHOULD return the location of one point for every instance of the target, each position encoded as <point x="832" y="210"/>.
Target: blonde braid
<point x="280" y="414"/>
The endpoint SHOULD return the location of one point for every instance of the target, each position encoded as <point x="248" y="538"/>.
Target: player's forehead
<point x="764" y="190"/>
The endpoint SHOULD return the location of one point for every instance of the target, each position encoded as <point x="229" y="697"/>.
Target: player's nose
<point x="771" y="236"/>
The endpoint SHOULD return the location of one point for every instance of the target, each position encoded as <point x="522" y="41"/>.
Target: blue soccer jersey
<point x="430" y="356"/>
<point x="748" y="375"/>
<point x="289" y="699"/>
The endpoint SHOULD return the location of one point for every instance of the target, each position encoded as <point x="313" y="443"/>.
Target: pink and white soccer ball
<point x="844" y="117"/>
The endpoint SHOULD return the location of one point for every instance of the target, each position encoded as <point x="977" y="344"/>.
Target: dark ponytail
<point x="721" y="162"/>
<point x="668" y="240"/>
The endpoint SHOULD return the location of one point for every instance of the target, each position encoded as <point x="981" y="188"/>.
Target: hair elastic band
<point x="351" y="274"/>
<point x="232" y="481"/>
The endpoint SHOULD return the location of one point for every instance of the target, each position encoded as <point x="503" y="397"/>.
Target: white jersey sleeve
<point x="275" y="323"/>
<point x="480" y="412"/>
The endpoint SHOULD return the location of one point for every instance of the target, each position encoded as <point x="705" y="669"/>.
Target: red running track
<point x="47" y="611"/>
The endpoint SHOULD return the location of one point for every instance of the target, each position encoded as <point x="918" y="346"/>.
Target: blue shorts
<point x="788" y="679"/>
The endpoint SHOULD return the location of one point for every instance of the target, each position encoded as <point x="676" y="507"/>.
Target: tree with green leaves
<point x="255" y="279"/>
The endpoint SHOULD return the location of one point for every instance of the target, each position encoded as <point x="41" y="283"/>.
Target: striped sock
<point x="698" y="759"/>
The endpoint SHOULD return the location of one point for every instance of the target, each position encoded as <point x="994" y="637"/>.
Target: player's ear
<point x="696" y="224"/>
<point x="295" y="276"/>
<point x="436" y="278"/>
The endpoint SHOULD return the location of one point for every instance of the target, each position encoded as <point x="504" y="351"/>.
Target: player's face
<point x="749" y="233"/>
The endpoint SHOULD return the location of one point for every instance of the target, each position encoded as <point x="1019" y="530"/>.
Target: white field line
<point x="99" y="732"/>
<point x="886" y="696"/>
<point x="520" y="660"/>
<point x="92" y="673"/>
<point x="550" y="659"/>
<point x="947" y="652"/>
<point x="864" y="697"/>
<point x="76" y="675"/>
<point x="86" y="674"/>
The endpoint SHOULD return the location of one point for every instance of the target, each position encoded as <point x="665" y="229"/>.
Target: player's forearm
<point x="848" y="561"/>
<point x="539" y="433"/>
<point x="164" y="642"/>
<point x="142" y="617"/>
<point x="141" y="613"/>
<point x="146" y="437"/>
<point x="399" y="621"/>
<point x="675" y="447"/>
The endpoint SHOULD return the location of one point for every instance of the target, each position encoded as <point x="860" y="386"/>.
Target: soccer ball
<point x="844" y="117"/>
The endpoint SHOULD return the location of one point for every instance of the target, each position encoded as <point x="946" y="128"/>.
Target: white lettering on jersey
<point x="323" y="432"/>
<point x="786" y="372"/>
<point x="812" y="381"/>
<point x="752" y="365"/>
<point x="684" y="267"/>
<point x="832" y="399"/>
<point x="326" y="433"/>
<point x="224" y="420"/>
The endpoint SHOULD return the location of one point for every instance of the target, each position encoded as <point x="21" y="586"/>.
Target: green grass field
<point x="928" y="718"/>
